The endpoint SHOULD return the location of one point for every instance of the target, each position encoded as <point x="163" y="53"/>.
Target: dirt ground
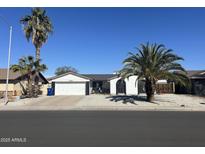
<point x="165" y="100"/>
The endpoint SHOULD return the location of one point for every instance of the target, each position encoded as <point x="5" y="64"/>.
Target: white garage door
<point x="70" y="88"/>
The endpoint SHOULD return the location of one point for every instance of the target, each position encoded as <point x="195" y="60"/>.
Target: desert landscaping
<point x="169" y="102"/>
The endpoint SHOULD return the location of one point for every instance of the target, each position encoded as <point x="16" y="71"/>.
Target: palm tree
<point x="37" y="28"/>
<point x="152" y="63"/>
<point x="28" y="66"/>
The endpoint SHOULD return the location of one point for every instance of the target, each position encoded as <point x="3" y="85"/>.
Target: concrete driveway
<point x="43" y="103"/>
<point x="56" y="101"/>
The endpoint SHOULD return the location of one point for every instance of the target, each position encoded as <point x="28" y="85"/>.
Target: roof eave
<point x="76" y="74"/>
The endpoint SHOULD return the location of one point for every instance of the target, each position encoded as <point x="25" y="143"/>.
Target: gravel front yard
<point x="165" y="101"/>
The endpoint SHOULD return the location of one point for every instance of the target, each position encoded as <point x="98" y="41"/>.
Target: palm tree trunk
<point x="30" y="92"/>
<point x="150" y="89"/>
<point x="36" y="85"/>
<point x="36" y="82"/>
<point x="28" y="88"/>
<point x="37" y="53"/>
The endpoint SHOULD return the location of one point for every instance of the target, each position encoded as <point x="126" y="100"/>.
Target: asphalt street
<point x="102" y="128"/>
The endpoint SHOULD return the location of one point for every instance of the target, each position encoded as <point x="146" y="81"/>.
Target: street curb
<point x="94" y="108"/>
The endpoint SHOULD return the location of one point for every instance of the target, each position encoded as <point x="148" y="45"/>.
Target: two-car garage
<point x="70" y="84"/>
<point x="63" y="88"/>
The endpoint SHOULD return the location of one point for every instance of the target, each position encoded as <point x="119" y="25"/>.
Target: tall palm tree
<point x="153" y="62"/>
<point x="28" y="66"/>
<point x="37" y="28"/>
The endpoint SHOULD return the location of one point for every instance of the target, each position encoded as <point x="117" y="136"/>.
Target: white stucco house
<point x="84" y="84"/>
<point x="130" y="85"/>
<point x="70" y="84"/>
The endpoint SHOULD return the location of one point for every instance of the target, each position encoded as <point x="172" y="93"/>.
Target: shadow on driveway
<point x="128" y="99"/>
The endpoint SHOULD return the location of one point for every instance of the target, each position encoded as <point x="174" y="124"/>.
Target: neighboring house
<point x="84" y="84"/>
<point x="17" y="83"/>
<point x="197" y="78"/>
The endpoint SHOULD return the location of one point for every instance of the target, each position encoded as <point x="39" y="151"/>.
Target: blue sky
<point x="96" y="40"/>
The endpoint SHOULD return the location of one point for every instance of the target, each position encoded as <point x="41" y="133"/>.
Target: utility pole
<point x="8" y="65"/>
<point x="9" y="57"/>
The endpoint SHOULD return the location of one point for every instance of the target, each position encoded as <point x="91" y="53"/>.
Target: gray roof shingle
<point x="101" y="77"/>
<point x="15" y="75"/>
<point x="97" y="77"/>
<point x="196" y="73"/>
<point x="12" y="75"/>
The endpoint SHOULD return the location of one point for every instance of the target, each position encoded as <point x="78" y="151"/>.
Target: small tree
<point x="28" y="66"/>
<point x="65" y="69"/>
<point x="152" y="63"/>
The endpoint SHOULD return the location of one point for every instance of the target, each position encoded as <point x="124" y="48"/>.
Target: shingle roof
<point x="16" y="75"/>
<point x="12" y="75"/>
<point x="73" y="73"/>
<point x="101" y="77"/>
<point x="104" y="77"/>
<point x="196" y="73"/>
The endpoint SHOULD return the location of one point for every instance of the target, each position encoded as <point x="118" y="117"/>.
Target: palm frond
<point x="37" y="27"/>
<point x="153" y="61"/>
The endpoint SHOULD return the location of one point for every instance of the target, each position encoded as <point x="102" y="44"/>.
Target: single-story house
<point x="197" y="78"/>
<point x="84" y="84"/>
<point x="17" y="83"/>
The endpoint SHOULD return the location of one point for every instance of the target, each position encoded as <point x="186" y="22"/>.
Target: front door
<point x="141" y="86"/>
<point x="120" y="87"/>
